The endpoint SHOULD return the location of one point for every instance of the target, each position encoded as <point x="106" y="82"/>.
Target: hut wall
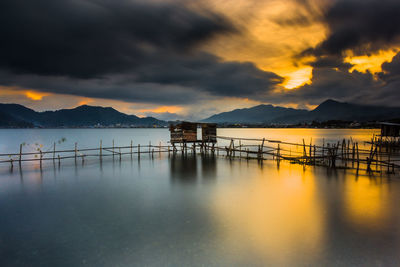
<point x="209" y="132"/>
<point x="183" y="132"/>
<point x="390" y="130"/>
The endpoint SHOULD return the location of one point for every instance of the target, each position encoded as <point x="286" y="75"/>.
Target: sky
<point x="190" y="59"/>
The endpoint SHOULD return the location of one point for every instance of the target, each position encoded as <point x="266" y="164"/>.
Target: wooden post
<point x="168" y="151"/>
<point x="59" y="160"/>
<point x="358" y="157"/>
<point x="76" y="150"/>
<point x="113" y="152"/>
<point x="369" y="159"/>
<point x="262" y="147"/>
<point x="230" y="149"/>
<point x="131" y="148"/>
<point x="54" y="151"/>
<point x="328" y="155"/>
<point x="240" y="148"/>
<point x="20" y="154"/>
<point x="159" y="148"/>
<point x="120" y="154"/>
<point x="138" y="150"/>
<point x="41" y="156"/>
<point x="343" y="148"/>
<point x="149" y="146"/>
<point x="314" y="154"/>
<point x="279" y="153"/>
<point x="101" y="149"/>
<point x="348" y="150"/>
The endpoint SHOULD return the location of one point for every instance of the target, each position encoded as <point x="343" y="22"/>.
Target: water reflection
<point x="364" y="202"/>
<point x="208" y="167"/>
<point x="217" y="212"/>
<point x="276" y="215"/>
<point x="183" y="168"/>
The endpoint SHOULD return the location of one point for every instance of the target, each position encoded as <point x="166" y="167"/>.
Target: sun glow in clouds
<point x="298" y="78"/>
<point x="370" y="63"/>
<point x="163" y="109"/>
<point x="37" y="96"/>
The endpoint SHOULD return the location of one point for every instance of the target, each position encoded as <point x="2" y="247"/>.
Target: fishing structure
<point x="377" y="155"/>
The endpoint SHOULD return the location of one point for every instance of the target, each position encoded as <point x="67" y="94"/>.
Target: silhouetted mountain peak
<point x="81" y="116"/>
<point x="327" y="110"/>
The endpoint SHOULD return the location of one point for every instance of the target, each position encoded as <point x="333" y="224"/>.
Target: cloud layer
<point x="152" y="51"/>
<point x="126" y="50"/>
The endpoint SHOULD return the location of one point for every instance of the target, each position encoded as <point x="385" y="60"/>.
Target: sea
<point x="192" y="209"/>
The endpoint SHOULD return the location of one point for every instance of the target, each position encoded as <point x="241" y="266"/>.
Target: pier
<point x="375" y="156"/>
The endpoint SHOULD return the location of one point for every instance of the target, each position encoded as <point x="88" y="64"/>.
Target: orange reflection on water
<point x="365" y="202"/>
<point x="271" y="214"/>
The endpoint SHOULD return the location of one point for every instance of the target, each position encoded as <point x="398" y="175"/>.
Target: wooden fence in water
<point x="345" y="154"/>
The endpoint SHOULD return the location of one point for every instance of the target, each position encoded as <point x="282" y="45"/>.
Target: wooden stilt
<point x="20" y="154"/>
<point x="54" y="151"/>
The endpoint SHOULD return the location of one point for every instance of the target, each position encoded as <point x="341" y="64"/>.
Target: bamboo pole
<point x="358" y="157"/>
<point x="76" y="149"/>
<point x="20" y="154"/>
<point x="240" y="148"/>
<point x="41" y="157"/>
<point x="54" y="151"/>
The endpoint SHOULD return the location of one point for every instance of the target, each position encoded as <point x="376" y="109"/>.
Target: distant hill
<point x="328" y="110"/>
<point x="8" y="121"/>
<point x="12" y="115"/>
<point x="257" y="115"/>
<point x="334" y="110"/>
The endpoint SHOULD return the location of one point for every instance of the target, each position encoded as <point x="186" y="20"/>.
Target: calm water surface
<point x="193" y="210"/>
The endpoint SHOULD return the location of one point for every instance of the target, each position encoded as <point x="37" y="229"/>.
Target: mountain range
<point x="328" y="110"/>
<point x="18" y="116"/>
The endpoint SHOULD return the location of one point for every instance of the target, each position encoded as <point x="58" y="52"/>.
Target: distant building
<point x="186" y="132"/>
<point x="390" y="129"/>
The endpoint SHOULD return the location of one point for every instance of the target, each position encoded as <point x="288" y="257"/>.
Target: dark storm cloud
<point x="338" y="84"/>
<point x="362" y="26"/>
<point x="205" y="71"/>
<point x="126" y="50"/>
<point x="95" y="37"/>
<point x="391" y="70"/>
<point x="173" y="80"/>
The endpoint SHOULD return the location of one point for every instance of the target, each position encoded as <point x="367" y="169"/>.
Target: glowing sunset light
<point x="371" y="63"/>
<point x="163" y="109"/>
<point x="37" y="96"/>
<point x="298" y="78"/>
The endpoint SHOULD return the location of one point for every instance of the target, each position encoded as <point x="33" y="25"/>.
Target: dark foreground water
<point x="195" y="210"/>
